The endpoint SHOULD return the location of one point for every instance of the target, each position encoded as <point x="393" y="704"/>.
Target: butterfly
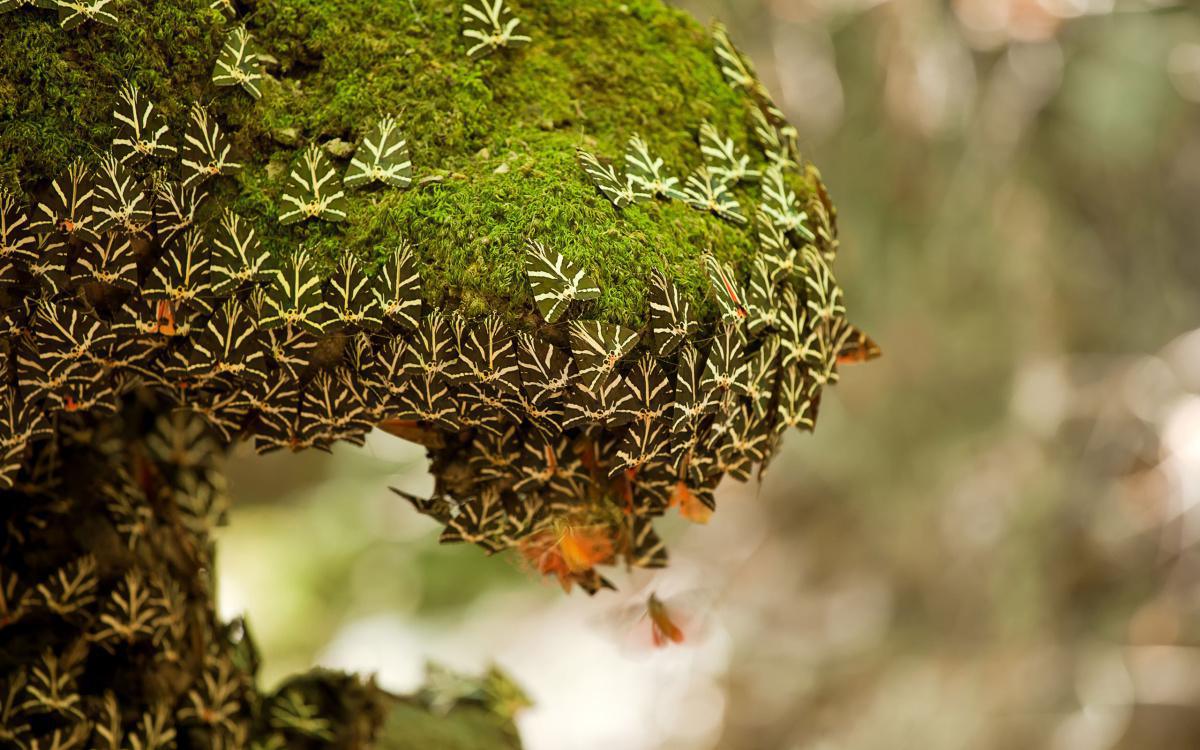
<point x="671" y="321"/>
<point x="175" y="208"/>
<point x="706" y="191"/>
<point x="797" y="336"/>
<point x="777" y="142"/>
<point x="643" y="443"/>
<point x="855" y="346"/>
<point x="730" y="297"/>
<point x="598" y="405"/>
<point x="73" y="13"/>
<point x="605" y="178"/>
<point x="17" y="242"/>
<point x="238" y="260"/>
<point x="121" y="200"/>
<point x="239" y="64"/>
<point x="761" y="303"/>
<point x="798" y="397"/>
<point x="68" y="204"/>
<point x="398" y="291"/>
<point x="546" y="371"/>
<point x="480" y="520"/>
<point x="110" y="261"/>
<point x="293" y="298"/>
<point x="382" y="157"/>
<point x="556" y="282"/>
<point x="692" y="401"/>
<point x="646" y="172"/>
<point x="141" y="130"/>
<point x="205" y="149"/>
<point x="181" y="275"/>
<point x="646" y="549"/>
<point x="649" y="392"/>
<point x="779" y="204"/>
<point x="723" y="158"/>
<point x="778" y="251"/>
<point x="488" y="351"/>
<point x="725" y="369"/>
<point x="490" y="25"/>
<point x="230" y="346"/>
<point x="599" y="348"/>
<point x="350" y="298"/>
<point x="313" y="190"/>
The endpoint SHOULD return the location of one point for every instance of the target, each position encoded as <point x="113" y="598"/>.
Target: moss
<point x="494" y="139"/>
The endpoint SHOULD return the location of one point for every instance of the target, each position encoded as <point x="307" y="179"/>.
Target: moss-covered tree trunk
<point x="141" y="336"/>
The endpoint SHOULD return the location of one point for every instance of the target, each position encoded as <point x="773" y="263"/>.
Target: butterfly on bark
<point x="556" y="282"/>
<point x="621" y="192"/>
<point x="488" y="26"/>
<point x="206" y="150"/>
<point x="239" y="64"/>
<point x="707" y="191"/>
<point x="382" y="157"/>
<point x="647" y="172"/>
<point x="313" y="190"/>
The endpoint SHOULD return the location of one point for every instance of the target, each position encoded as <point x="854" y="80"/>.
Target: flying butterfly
<point x="349" y="298"/>
<point x="723" y="158"/>
<point x="293" y="297"/>
<point x="730" y="296"/>
<point x="205" y="149"/>
<point x="646" y="172"/>
<point x="238" y="260"/>
<point x="110" y="261"/>
<point x="706" y="191"/>
<point x="599" y="348"/>
<point x="141" y="130"/>
<point x="382" y="157"/>
<point x="556" y="282"/>
<point x="181" y="275"/>
<point x="605" y="178"/>
<point x="239" y="64"/>
<point x="68" y="206"/>
<point x="398" y="288"/>
<point x="490" y="25"/>
<point x="73" y="13"/>
<point x="313" y="190"/>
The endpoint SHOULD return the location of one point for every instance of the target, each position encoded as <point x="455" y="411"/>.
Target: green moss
<point x="493" y="139"/>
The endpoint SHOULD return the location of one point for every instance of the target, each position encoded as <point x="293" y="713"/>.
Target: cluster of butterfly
<point x="489" y="26"/>
<point x="162" y="494"/>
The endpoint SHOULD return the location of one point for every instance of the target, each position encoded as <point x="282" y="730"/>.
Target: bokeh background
<point x="991" y="541"/>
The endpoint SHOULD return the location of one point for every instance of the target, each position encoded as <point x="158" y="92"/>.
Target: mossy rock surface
<point x="493" y="140"/>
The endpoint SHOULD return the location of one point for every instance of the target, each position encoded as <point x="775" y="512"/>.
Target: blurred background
<point x="992" y="540"/>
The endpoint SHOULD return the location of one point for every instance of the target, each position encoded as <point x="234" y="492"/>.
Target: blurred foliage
<point x="991" y="541"/>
